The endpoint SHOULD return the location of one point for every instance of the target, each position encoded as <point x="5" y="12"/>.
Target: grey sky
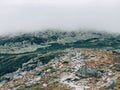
<point x="31" y="15"/>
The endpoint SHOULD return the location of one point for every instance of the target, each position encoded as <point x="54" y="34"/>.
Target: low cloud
<point x="33" y="15"/>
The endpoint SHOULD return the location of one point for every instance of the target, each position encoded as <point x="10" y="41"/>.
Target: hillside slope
<point x="36" y="53"/>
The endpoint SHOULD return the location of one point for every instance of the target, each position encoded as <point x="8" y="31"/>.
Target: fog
<point x="34" y="15"/>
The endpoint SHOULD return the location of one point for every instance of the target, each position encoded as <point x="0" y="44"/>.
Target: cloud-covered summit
<point x="32" y="15"/>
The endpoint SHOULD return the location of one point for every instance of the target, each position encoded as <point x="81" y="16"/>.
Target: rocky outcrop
<point x="32" y="64"/>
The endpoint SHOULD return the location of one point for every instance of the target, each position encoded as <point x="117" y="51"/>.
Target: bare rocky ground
<point x="72" y="69"/>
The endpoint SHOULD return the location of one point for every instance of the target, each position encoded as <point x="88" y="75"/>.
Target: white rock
<point x="44" y="85"/>
<point x="37" y="79"/>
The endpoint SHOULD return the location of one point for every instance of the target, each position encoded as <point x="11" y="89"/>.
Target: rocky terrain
<point x="54" y="60"/>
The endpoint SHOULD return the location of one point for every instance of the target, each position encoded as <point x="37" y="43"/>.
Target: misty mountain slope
<point x="31" y="42"/>
<point x="26" y="52"/>
<point x="16" y="50"/>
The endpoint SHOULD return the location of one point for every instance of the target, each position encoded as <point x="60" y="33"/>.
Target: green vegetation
<point x="11" y="63"/>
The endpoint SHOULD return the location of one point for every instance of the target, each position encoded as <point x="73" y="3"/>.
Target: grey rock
<point x="39" y="63"/>
<point x="20" y="87"/>
<point x="6" y="77"/>
<point x="49" y="70"/>
<point x="86" y="71"/>
<point x="32" y="64"/>
<point x="110" y="84"/>
<point x="28" y="67"/>
<point x="38" y="72"/>
<point x="18" y="71"/>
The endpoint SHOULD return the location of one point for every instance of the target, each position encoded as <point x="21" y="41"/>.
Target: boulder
<point x="86" y="71"/>
<point x="109" y="84"/>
